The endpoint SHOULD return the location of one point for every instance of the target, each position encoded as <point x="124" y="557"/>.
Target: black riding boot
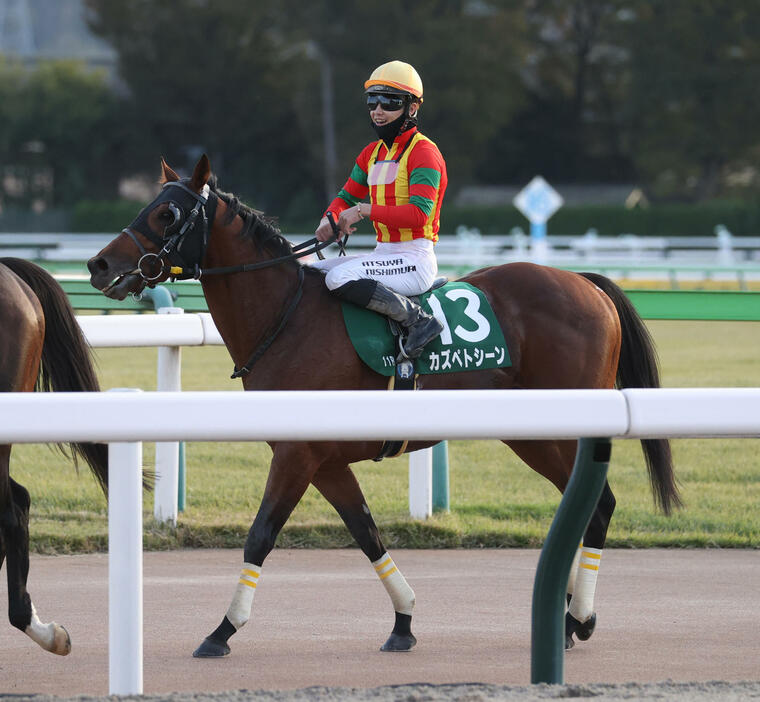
<point x="421" y="327"/>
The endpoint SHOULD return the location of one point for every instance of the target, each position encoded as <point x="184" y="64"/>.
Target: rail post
<point x="125" y="569"/>
<point x="167" y="452"/>
<point x="421" y="483"/>
<point x="441" y="477"/>
<point x="573" y="515"/>
<point x="429" y="481"/>
<point x="170" y="456"/>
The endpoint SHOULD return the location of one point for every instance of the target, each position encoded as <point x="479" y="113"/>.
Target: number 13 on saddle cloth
<point x="471" y="338"/>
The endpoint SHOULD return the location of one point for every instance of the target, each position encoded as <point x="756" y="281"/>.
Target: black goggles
<point x="390" y="103"/>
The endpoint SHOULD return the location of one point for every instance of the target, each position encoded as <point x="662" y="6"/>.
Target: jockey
<point x="404" y="174"/>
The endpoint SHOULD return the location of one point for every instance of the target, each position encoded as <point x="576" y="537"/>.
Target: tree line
<point x="658" y="93"/>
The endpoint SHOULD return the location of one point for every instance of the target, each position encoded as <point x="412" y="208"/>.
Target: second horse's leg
<point x="336" y="481"/>
<point x="290" y="473"/>
<point x="14" y="523"/>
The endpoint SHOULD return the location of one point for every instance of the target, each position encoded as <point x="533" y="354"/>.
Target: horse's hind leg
<point x="340" y="488"/>
<point x="554" y="460"/>
<point x="580" y="618"/>
<point x="14" y="525"/>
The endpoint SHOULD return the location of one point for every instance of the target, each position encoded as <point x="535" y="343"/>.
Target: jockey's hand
<point x="347" y="219"/>
<point x="324" y="231"/>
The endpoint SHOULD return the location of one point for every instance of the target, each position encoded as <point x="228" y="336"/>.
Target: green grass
<point x="496" y="501"/>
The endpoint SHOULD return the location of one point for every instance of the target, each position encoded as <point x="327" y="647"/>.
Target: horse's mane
<point x="258" y="227"/>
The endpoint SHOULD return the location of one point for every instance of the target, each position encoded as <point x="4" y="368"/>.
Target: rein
<point x="316" y="247"/>
<point x="313" y="244"/>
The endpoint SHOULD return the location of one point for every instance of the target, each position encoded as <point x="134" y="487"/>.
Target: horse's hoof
<point x="211" y="648"/>
<point x="61" y="641"/>
<point x="401" y="638"/>
<point x="585" y="630"/>
<point x="582" y="630"/>
<point x="399" y="642"/>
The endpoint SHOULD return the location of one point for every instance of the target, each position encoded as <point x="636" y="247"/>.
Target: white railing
<point x="468" y="247"/>
<point x="722" y="257"/>
<point x="125" y="419"/>
<point x="131" y="330"/>
<point x="348" y="415"/>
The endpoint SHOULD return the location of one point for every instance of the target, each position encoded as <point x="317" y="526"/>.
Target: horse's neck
<point x="243" y="305"/>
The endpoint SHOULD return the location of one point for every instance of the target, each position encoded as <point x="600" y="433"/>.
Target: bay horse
<point x="41" y="348"/>
<point x="284" y="331"/>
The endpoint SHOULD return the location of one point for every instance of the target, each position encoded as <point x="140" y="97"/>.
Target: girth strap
<point x="405" y="378"/>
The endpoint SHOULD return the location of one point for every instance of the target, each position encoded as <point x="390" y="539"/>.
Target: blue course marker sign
<point x="538" y="201"/>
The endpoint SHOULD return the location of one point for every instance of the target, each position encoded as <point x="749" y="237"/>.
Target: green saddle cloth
<point x="471" y="338"/>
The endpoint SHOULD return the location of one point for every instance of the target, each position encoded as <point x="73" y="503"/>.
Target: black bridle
<point x="184" y="252"/>
<point x="184" y="244"/>
<point x="183" y="239"/>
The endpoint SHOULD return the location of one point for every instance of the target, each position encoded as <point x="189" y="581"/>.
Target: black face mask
<point x="389" y="131"/>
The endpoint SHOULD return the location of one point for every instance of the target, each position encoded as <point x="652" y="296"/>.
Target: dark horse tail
<point x="637" y="368"/>
<point x="66" y="365"/>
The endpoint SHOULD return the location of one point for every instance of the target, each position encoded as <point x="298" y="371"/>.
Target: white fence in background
<point x="131" y="330"/>
<point x="467" y="247"/>
<point x="125" y="419"/>
<point x="169" y="330"/>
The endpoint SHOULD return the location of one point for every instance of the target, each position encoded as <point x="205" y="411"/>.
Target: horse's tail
<point x="66" y="364"/>
<point x="638" y="368"/>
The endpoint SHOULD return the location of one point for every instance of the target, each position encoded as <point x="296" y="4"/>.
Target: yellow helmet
<point x="395" y="77"/>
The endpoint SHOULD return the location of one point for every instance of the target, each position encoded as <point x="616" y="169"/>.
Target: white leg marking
<point x="52" y="637"/>
<point x="239" y="611"/>
<point x="395" y="584"/>
<point x="582" y="604"/>
<point x="574" y="571"/>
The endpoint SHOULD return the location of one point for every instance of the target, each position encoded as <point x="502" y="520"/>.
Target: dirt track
<point x="320" y="617"/>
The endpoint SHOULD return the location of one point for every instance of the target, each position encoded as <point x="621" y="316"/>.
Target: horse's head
<point x="167" y="238"/>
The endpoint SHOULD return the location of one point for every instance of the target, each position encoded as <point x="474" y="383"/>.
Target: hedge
<point x="104" y="216"/>
<point x="741" y="219"/>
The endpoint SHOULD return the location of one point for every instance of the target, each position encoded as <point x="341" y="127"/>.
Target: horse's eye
<point x="167" y="216"/>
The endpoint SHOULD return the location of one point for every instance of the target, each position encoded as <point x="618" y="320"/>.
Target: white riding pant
<point x="406" y="267"/>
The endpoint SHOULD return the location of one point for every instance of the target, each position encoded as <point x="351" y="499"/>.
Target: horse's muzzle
<point x="115" y="282"/>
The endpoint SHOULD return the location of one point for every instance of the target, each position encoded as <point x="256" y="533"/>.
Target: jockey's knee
<point x="339" y="276"/>
<point x="359" y="292"/>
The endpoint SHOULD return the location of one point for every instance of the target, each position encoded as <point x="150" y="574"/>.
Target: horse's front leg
<point x="580" y="618"/>
<point x="290" y="473"/>
<point x="14" y="523"/>
<point x="336" y="481"/>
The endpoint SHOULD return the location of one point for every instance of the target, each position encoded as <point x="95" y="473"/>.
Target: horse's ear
<point x="167" y="174"/>
<point x="201" y="174"/>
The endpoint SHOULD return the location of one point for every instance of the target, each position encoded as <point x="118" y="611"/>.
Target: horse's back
<point x="542" y="289"/>
<point x="561" y="329"/>
<point x="23" y="324"/>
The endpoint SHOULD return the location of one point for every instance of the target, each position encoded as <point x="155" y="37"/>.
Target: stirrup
<point x="403" y="356"/>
